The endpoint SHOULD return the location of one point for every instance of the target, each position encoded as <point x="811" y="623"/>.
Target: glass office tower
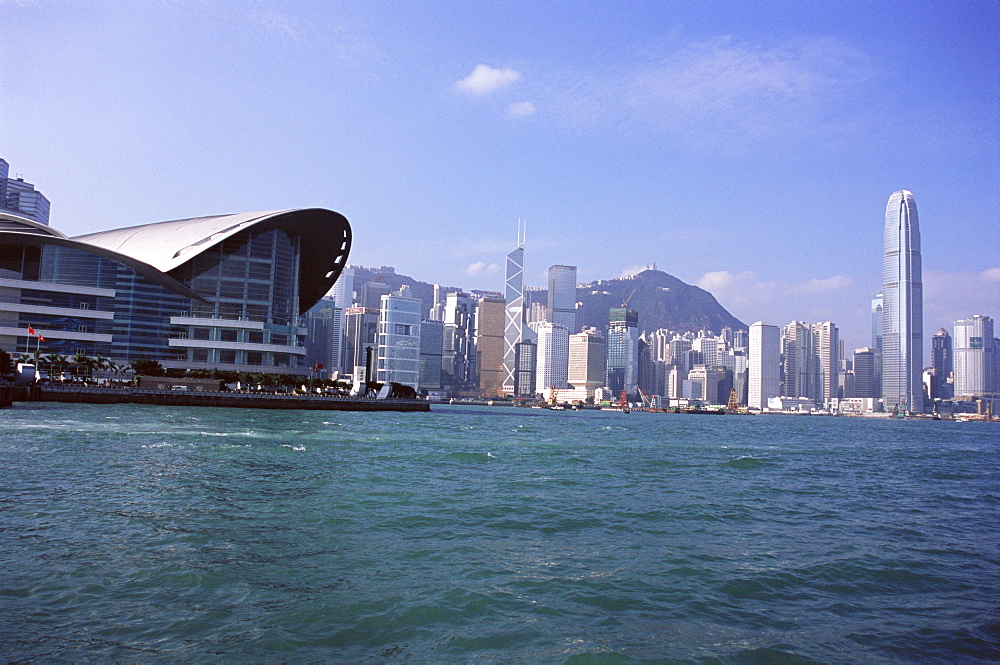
<point x="902" y="309"/>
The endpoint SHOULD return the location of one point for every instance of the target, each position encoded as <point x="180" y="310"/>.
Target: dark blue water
<point x="138" y="533"/>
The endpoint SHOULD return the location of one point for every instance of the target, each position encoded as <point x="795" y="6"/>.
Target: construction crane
<point x="629" y="299"/>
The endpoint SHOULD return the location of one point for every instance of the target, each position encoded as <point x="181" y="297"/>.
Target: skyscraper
<point x="764" y="364"/>
<point x="399" y="339"/>
<point x="489" y="345"/>
<point x="21" y="197"/>
<point x="941" y="364"/>
<point x="902" y="308"/>
<point x="974" y="370"/>
<point x="514" y="317"/>
<point x="551" y="370"/>
<point x="826" y="352"/>
<point x="562" y="296"/>
<point x="586" y="360"/>
<point x="623" y="350"/>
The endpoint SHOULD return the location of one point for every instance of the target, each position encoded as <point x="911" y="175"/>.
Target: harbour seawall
<point x="102" y="395"/>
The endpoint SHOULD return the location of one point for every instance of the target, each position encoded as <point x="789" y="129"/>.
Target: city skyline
<point x="746" y="151"/>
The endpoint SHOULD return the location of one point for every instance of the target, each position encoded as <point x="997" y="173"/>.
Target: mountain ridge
<point x="662" y="300"/>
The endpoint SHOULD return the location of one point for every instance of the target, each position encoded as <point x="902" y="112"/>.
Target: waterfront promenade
<point x="128" y="395"/>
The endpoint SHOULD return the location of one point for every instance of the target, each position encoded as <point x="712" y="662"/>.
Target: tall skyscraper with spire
<point x="902" y="308"/>
<point x="513" y="331"/>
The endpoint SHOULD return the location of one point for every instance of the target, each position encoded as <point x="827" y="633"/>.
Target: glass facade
<point x="623" y="351"/>
<point x="84" y="303"/>
<point x="250" y="282"/>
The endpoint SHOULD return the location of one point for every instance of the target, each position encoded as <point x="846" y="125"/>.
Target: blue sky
<point x="746" y="147"/>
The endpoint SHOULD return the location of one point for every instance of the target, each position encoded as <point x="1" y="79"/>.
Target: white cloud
<point x="990" y="275"/>
<point x="485" y="80"/>
<point x="631" y="271"/>
<point x="828" y="285"/>
<point x="520" y="109"/>
<point x="722" y="89"/>
<point x="481" y="268"/>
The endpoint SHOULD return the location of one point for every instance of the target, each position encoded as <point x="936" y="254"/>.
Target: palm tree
<point x="57" y="363"/>
<point x="101" y="363"/>
<point x="81" y="362"/>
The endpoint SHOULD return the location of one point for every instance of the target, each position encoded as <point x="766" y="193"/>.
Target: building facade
<point x="399" y="340"/>
<point x="974" y="357"/>
<point x="562" y="297"/>
<point x="942" y="365"/>
<point x="514" y="314"/>
<point x="21" y="198"/>
<point x="586" y="360"/>
<point x="764" y="359"/>
<point x="902" y="309"/>
<point x="223" y="292"/>
<point x="490" y="319"/>
<point x="623" y="351"/>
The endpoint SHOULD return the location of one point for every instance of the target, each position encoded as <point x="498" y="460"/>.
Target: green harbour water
<point x="477" y="534"/>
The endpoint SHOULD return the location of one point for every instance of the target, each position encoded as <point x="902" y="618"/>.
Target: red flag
<point x="319" y="366"/>
<point x="31" y="331"/>
<point x="41" y="339"/>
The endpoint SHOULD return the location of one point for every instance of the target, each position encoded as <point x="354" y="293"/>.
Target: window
<point x="228" y="335"/>
<point x="279" y="339"/>
<point x="199" y="355"/>
<point x="402" y="329"/>
<point x="258" y="292"/>
<point x="226" y="356"/>
<point x="255" y="336"/>
<point x="201" y="333"/>
<point x="255" y="358"/>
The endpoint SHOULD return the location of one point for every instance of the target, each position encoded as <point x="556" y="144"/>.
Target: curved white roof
<point x="326" y="242"/>
<point x="12" y="222"/>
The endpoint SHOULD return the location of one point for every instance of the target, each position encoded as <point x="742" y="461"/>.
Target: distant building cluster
<point x="519" y="346"/>
<point x="245" y="293"/>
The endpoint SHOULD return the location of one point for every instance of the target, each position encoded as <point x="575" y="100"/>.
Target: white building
<point x="586" y="360"/>
<point x="974" y="359"/>
<point x="552" y="369"/>
<point x="399" y="340"/>
<point x="764" y="380"/>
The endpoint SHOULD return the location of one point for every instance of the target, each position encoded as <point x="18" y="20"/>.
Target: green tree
<point x="6" y="364"/>
<point x="147" y="367"/>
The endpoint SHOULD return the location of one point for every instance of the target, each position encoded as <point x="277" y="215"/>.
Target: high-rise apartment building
<point x="562" y="296"/>
<point x="902" y="308"/>
<point x="974" y="357"/>
<point x="942" y="365"/>
<point x="490" y="312"/>
<point x="799" y="362"/>
<point x="764" y="360"/>
<point x="514" y="314"/>
<point x="623" y="351"/>
<point x="399" y="339"/>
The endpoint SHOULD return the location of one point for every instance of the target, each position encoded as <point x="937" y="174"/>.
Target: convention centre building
<point x="223" y="292"/>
